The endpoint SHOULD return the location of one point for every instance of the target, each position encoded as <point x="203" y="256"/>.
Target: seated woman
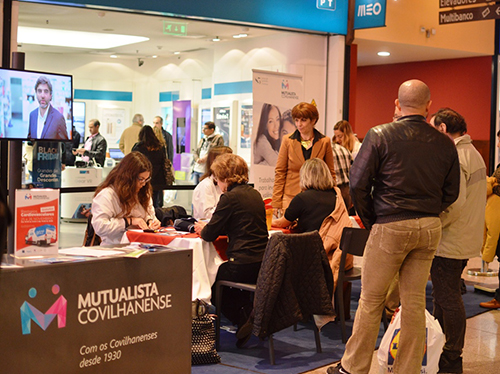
<point x="241" y="215"/>
<point x="308" y="209"/>
<point x="207" y="193"/>
<point x="124" y="199"/>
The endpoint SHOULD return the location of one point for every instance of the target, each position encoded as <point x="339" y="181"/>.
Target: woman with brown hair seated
<point x="124" y="199"/>
<point x="240" y="214"/>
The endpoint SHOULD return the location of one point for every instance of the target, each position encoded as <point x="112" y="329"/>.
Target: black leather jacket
<point x="404" y="169"/>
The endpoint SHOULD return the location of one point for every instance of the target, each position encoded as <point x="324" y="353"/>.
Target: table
<point x="206" y="259"/>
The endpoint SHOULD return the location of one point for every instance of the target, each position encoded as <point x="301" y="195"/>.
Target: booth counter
<point x="111" y="315"/>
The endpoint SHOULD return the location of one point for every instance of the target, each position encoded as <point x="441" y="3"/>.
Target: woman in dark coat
<point x="150" y="146"/>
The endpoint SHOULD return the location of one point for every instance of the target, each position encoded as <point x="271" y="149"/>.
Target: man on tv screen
<point x="45" y="121"/>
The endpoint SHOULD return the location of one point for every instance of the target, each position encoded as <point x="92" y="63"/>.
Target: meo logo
<point x="29" y="312"/>
<point x="325" y="4"/>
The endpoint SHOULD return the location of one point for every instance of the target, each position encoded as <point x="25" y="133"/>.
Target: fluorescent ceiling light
<point x="216" y="39"/>
<point x="177" y="53"/>
<point x="384" y="54"/>
<point x="113" y="56"/>
<point x="75" y="39"/>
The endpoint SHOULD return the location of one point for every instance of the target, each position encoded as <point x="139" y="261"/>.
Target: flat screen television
<point x="35" y="105"/>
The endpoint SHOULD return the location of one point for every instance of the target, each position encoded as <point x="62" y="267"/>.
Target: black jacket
<point x="404" y="169"/>
<point x="98" y="149"/>
<point x="295" y="281"/>
<point x="241" y="215"/>
<point x="157" y="159"/>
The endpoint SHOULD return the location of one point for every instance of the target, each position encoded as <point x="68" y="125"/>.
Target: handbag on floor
<point x="203" y="335"/>
<point x="433" y="345"/>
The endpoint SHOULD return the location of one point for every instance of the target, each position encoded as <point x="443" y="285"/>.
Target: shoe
<point x="492" y="304"/>
<point x="450" y="366"/>
<point x="244" y="332"/>
<point x="337" y="370"/>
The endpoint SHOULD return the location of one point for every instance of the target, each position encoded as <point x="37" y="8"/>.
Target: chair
<point x="91" y="238"/>
<point x="287" y="257"/>
<point x="353" y="242"/>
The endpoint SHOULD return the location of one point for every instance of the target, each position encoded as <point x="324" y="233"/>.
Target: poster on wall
<point x="46" y="164"/>
<point x="36" y="222"/>
<point x="112" y="124"/>
<point x="181" y="113"/>
<point x="222" y="122"/>
<point x="246" y="126"/>
<point x="274" y="95"/>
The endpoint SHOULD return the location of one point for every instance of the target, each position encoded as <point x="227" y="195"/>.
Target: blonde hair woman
<point x="345" y="137"/>
<point x="317" y="200"/>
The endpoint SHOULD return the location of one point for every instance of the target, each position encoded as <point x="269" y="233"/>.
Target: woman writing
<point x="207" y="193"/>
<point x="124" y="199"/>
<point x="150" y="146"/>
<point x="346" y="138"/>
<point x="304" y="143"/>
<point x="241" y="215"/>
<point x="267" y="142"/>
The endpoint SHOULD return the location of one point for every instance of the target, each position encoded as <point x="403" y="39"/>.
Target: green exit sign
<point x="175" y="28"/>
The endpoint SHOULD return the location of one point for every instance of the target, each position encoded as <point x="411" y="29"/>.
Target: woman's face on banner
<point x="273" y="123"/>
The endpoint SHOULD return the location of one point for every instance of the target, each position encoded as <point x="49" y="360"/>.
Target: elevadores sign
<point x="115" y="315"/>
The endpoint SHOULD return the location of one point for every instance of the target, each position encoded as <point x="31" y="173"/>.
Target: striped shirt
<point x="343" y="160"/>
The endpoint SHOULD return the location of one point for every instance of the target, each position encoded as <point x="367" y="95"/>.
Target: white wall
<point x="230" y="61"/>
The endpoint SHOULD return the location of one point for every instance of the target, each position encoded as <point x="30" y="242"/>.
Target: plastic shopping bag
<point x="433" y="345"/>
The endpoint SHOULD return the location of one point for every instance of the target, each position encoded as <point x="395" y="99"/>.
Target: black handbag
<point x="203" y="336"/>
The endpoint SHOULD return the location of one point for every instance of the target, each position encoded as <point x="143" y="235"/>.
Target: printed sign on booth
<point x="369" y="14"/>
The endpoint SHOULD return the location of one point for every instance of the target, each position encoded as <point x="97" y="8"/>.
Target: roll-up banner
<point x="274" y="96"/>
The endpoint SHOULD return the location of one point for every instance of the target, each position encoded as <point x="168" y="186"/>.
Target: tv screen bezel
<point x="72" y="99"/>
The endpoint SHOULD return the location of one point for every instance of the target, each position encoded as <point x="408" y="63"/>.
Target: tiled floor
<point x="482" y="340"/>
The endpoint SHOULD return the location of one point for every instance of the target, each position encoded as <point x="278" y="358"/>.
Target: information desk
<point x="206" y="259"/>
<point x="111" y="315"/>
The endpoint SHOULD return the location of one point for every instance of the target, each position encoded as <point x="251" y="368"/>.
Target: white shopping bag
<point x="433" y="345"/>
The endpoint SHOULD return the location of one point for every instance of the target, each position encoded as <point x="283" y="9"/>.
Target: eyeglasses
<point x="143" y="180"/>
<point x="206" y="128"/>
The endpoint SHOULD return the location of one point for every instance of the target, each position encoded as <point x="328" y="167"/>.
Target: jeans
<point x="405" y="247"/>
<point x="448" y="304"/>
<point x="158" y="199"/>
<point x="195" y="175"/>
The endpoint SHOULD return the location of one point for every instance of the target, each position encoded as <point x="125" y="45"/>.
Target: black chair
<point x="309" y="242"/>
<point x="353" y="241"/>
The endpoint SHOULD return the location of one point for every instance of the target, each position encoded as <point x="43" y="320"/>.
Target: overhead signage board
<point x="175" y="28"/>
<point x="324" y="16"/>
<point x="369" y="14"/>
<point x="454" y="3"/>
<point x="469" y="14"/>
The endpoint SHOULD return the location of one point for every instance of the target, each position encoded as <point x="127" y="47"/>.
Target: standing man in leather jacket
<point x="406" y="173"/>
<point x="95" y="145"/>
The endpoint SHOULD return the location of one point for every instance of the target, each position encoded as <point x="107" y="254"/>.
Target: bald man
<point x="406" y="173"/>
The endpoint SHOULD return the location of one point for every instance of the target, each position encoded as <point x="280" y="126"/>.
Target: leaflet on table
<point x="90" y="252"/>
<point x="36" y="222"/>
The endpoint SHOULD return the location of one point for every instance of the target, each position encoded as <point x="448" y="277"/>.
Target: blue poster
<point x="47" y="164"/>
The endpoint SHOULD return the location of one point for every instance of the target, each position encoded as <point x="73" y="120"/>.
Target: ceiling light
<point x="384" y="54"/>
<point x="236" y="36"/>
<point x="155" y="56"/>
<point x="75" y="39"/>
<point x="243" y="35"/>
<point x="216" y="39"/>
<point x="113" y="56"/>
<point x="177" y="53"/>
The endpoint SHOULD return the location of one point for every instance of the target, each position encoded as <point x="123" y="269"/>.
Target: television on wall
<point x="35" y="105"/>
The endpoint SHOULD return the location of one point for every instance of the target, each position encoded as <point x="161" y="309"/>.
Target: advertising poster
<point x="36" y="222"/>
<point x="46" y="164"/>
<point x="246" y="125"/>
<point x="112" y="124"/>
<point x="222" y="122"/>
<point x="274" y="95"/>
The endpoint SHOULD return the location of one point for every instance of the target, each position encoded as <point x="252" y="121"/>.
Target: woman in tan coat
<point x="303" y="144"/>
